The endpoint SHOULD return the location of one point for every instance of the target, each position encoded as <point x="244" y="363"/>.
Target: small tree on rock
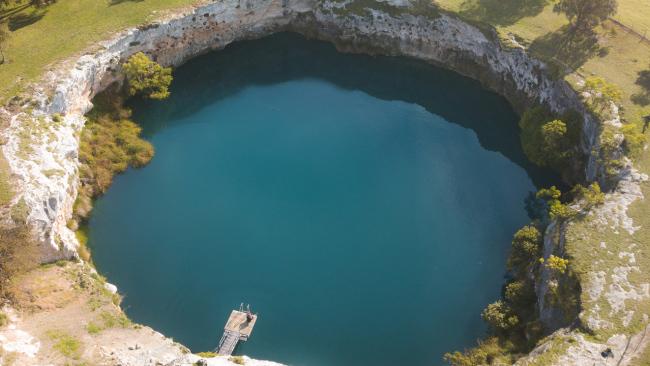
<point x="147" y="77"/>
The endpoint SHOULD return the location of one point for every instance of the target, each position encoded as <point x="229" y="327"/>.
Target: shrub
<point x="634" y="140"/>
<point x="520" y="293"/>
<point x="526" y="245"/>
<point x="601" y="94"/>
<point x="485" y="353"/>
<point x="591" y="195"/>
<point x="547" y="140"/>
<point x="610" y="144"/>
<point x="3" y="319"/>
<point x="499" y="316"/>
<point x="556" y="209"/>
<point x="556" y="264"/>
<point x="146" y="77"/>
<point x="110" y="143"/>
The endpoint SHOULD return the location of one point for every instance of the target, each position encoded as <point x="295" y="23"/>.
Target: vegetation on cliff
<point x="549" y="140"/>
<point x="110" y="141"/>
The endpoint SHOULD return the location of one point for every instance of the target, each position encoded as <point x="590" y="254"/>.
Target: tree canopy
<point x="548" y="140"/>
<point x="586" y="14"/>
<point x="146" y="77"/>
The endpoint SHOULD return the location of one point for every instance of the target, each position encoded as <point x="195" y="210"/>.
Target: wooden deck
<point x="237" y="329"/>
<point x="237" y="323"/>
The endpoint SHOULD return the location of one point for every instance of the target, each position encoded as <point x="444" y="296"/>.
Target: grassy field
<point x="41" y="37"/>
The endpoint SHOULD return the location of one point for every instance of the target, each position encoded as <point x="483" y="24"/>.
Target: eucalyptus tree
<point x="586" y="14"/>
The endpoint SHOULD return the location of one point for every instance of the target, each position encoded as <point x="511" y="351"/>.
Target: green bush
<point x="487" y="352"/>
<point x="634" y="140"/>
<point x="499" y="316"/>
<point x="591" y="195"/>
<point x="601" y="95"/>
<point x="556" y="209"/>
<point x="609" y="147"/>
<point x="520" y="293"/>
<point x="526" y="246"/>
<point x="547" y="140"/>
<point x="556" y="264"/>
<point x="146" y="77"/>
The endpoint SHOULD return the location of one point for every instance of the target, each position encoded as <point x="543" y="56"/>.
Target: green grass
<point x="94" y="328"/>
<point x="207" y="354"/>
<point x="107" y="320"/>
<point x="66" y="28"/>
<point x="635" y="14"/>
<point x="66" y="344"/>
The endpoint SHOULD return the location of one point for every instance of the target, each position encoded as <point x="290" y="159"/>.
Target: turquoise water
<point x="363" y="206"/>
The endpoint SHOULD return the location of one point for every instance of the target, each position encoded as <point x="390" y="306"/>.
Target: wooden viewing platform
<point x="238" y="328"/>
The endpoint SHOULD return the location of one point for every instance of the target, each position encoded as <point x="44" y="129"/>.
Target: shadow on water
<point x="281" y="57"/>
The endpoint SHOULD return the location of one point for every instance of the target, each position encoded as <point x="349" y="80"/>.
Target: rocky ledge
<point x="42" y="141"/>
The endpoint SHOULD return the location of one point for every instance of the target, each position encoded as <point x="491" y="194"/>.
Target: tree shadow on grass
<point x="7" y="12"/>
<point x="118" y="2"/>
<point x="643" y="80"/>
<point x="501" y="12"/>
<point x="24" y="19"/>
<point x="566" y="49"/>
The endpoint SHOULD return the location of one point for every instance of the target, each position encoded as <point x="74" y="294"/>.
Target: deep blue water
<point x="363" y="205"/>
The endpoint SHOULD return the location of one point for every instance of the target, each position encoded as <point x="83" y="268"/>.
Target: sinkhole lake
<point x="362" y="205"/>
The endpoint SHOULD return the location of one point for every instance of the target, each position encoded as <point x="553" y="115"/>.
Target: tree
<point x="526" y="245"/>
<point x="556" y="209"/>
<point x="550" y="140"/>
<point x="4" y="36"/>
<point x="499" y="316"/>
<point x="586" y="14"/>
<point x="553" y="134"/>
<point x="146" y="77"/>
